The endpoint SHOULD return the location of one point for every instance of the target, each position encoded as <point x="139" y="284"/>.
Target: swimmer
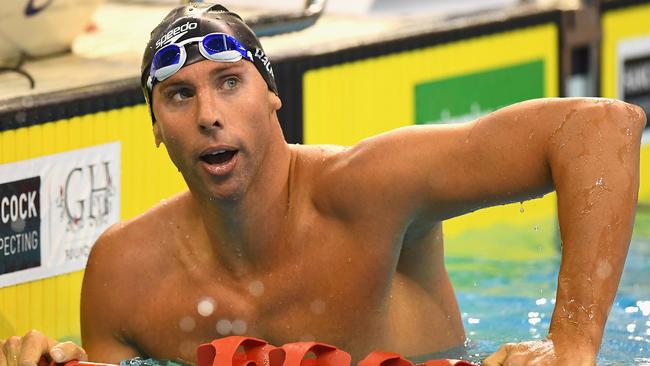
<point x="341" y="245"/>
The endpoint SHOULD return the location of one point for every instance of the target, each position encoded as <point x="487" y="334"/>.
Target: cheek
<point x="176" y="142"/>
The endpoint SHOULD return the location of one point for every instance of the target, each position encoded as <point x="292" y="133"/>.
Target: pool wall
<point x="335" y="97"/>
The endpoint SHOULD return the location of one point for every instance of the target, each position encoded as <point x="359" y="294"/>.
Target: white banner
<point x="633" y="56"/>
<point x="53" y="208"/>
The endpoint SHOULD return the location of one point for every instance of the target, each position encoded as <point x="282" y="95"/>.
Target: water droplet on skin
<point x="349" y="260"/>
<point x="187" y="324"/>
<point x="256" y="288"/>
<point x="318" y="307"/>
<point x="239" y="327"/>
<point x="604" y="269"/>
<point x="206" y="306"/>
<point x="224" y="327"/>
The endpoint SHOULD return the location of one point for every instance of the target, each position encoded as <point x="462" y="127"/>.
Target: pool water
<point x="513" y="301"/>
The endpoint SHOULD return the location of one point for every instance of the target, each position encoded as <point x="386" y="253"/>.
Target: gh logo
<point x="90" y="203"/>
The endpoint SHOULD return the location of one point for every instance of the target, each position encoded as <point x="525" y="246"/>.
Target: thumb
<point x="499" y="357"/>
<point x="66" y="351"/>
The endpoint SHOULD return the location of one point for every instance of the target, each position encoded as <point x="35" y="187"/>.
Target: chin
<point x="231" y="191"/>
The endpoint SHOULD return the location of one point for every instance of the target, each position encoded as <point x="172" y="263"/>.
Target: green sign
<point x="467" y="97"/>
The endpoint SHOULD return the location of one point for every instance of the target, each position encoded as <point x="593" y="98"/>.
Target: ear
<point x="157" y="134"/>
<point x="274" y="101"/>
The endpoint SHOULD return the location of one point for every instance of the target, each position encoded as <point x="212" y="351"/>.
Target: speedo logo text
<point x="175" y="34"/>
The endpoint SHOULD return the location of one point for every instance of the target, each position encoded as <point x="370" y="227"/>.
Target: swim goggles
<point x="214" y="46"/>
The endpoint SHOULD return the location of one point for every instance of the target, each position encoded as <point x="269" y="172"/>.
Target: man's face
<point x="216" y="121"/>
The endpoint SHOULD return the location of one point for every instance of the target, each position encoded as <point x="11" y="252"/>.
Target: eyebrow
<point x="229" y="67"/>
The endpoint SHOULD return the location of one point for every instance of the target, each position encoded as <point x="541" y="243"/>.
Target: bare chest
<point x="325" y="284"/>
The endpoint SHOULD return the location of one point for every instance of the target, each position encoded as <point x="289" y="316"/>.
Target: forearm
<point x="594" y="159"/>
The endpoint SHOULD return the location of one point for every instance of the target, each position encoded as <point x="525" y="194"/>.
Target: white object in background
<point x="41" y="27"/>
<point x="276" y="5"/>
<point x="414" y="7"/>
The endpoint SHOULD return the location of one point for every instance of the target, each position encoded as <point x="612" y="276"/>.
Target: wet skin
<point x="344" y="245"/>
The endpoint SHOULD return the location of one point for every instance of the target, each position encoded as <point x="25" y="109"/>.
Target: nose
<point x="209" y="114"/>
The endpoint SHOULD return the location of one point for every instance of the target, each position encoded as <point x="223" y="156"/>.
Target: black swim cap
<point x="196" y="20"/>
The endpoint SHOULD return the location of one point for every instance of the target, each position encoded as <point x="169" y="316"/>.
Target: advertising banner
<point x="53" y="208"/>
<point x="634" y="71"/>
<point x="467" y="97"/>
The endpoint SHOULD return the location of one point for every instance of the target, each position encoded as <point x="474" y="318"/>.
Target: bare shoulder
<point x="314" y="169"/>
<point x="132" y="244"/>
<point x="339" y="179"/>
<point x="126" y="253"/>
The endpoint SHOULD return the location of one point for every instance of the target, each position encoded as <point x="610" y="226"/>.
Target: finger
<point x="499" y="357"/>
<point x="34" y="345"/>
<point x="11" y="349"/>
<point x="66" y="351"/>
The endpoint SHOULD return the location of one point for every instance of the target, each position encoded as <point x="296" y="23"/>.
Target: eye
<point x="180" y="94"/>
<point x="230" y="83"/>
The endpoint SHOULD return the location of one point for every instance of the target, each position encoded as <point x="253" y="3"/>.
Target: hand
<point x="28" y="350"/>
<point x="537" y="353"/>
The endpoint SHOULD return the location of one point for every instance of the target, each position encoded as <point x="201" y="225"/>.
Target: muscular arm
<point x="594" y="159"/>
<point x="104" y="304"/>
<point x="587" y="149"/>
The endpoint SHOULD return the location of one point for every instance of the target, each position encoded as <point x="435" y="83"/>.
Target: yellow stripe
<point x="36" y="302"/>
<point x="9" y="310"/>
<point x="49" y="314"/>
<point x="619" y="25"/>
<point x="644" y="189"/>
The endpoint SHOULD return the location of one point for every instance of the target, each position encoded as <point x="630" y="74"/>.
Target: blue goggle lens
<point x="216" y="43"/>
<point x="170" y="55"/>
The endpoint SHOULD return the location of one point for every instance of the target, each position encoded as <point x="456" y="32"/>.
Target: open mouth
<point x="219" y="157"/>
